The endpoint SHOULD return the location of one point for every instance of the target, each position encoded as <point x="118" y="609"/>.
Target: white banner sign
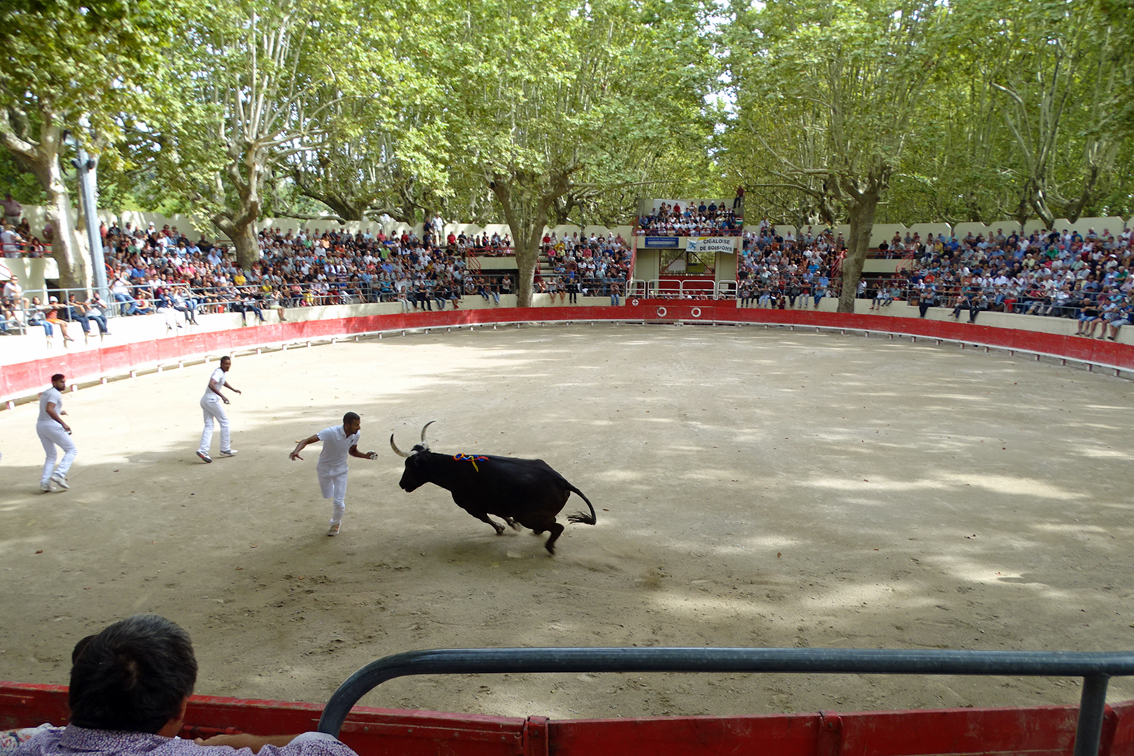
<point x="714" y="244"/>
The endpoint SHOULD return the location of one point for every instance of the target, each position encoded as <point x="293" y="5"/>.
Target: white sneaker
<point x="60" y="481"/>
<point x="228" y="453"/>
<point x="204" y="457"/>
<point x="46" y="487"/>
<point x="334" y="529"/>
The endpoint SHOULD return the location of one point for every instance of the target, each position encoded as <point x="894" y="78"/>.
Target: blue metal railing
<point x="1095" y="669"/>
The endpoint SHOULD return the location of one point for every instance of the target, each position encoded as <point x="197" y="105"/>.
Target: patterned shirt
<point x="79" y="741"/>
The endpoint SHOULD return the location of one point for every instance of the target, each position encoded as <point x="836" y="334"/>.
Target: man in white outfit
<point x="338" y="442"/>
<point x="53" y="431"/>
<point x="212" y="407"/>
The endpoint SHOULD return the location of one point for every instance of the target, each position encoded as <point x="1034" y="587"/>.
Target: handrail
<point x="1094" y="667"/>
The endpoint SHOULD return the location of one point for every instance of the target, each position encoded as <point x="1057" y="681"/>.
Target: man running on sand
<point x="338" y="442"/>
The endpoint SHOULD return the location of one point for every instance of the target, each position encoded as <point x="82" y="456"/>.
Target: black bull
<point x="524" y="492"/>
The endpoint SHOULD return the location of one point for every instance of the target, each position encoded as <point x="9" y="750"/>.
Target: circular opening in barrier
<point x="661" y="312"/>
<point x="696" y="312"/>
<point x="634" y="302"/>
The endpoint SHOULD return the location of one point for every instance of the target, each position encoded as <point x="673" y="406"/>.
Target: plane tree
<point x="254" y="83"/>
<point x="540" y="97"/>
<point x="826" y="98"/>
<point x="70" y="67"/>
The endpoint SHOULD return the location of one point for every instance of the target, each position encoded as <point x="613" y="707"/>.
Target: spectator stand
<point x="686" y="248"/>
<point x="344" y="272"/>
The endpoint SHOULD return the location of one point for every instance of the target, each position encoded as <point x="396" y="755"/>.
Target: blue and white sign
<point x="656" y="242"/>
<point x="713" y="244"/>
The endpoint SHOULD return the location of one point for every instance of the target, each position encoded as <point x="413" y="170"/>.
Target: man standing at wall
<point x="53" y="431"/>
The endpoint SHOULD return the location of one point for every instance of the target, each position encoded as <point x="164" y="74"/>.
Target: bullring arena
<point x="754" y="487"/>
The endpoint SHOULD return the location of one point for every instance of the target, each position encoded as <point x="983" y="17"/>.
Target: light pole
<point x="88" y="187"/>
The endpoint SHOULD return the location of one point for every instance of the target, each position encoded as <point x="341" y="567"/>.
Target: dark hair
<point x="351" y="416"/>
<point x="132" y="676"/>
<point x="57" y="377"/>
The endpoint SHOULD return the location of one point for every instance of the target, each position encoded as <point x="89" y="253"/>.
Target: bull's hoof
<point x="499" y="529"/>
<point x="515" y="525"/>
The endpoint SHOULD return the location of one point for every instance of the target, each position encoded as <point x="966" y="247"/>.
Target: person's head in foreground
<point x="136" y="675"/>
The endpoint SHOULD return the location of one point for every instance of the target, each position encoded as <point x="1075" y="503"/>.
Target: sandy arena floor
<point x="753" y="488"/>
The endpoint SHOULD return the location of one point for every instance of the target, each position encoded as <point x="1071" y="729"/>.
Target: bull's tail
<point x="582" y="517"/>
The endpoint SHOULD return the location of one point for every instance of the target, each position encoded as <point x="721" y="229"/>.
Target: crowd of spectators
<point x="163" y="270"/>
<point x="16" y="237"/>
<point x="1056" y="273"/>
<point x="1066" y="274"/>
<point x="674" y="219"/>
<point x="1049" y="273"/>
<point x="785" y="270"/>
<point x="587" y="265"/>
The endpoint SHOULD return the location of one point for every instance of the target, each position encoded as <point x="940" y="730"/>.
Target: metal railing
<point x="694" y="288"/>
<point x="1095" y="669"/>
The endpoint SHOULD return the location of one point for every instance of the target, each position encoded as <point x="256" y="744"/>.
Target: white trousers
<point x="214" y="410"/>
<point x="333" y="486"/>
<point x="52" y="435"/>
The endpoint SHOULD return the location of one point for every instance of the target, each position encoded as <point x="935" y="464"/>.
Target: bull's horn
<point x="394" y="446"/>
<point x="431" y="422"/>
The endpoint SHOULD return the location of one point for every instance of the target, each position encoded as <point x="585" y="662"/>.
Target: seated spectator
<point x="77" y="312"/>
<point x="129" y="692"/>
<point x="52" y="316"/>
<point x="96" y="310"/>
<point x="1122" y="318"/>
<point x="10" y="322"/>
<point x="1088" y="316"/>
<point x="183" y="302"/>
<point x="11" y="243"/>
<point x="246" y="304"/>
<point x="121" y="292"/>
<point x="142" y="306"/>
<point x="963" y="301"/>
<point x="36" y="315"/>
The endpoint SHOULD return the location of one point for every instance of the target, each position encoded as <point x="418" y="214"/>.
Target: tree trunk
<point x="861" y="209"/>
<point x="525" y="210"/>
<point x="73" y="273"/>
<point x="42" y="159"/>
<point x="525" y="235"/>
<point x="243" y="236"/>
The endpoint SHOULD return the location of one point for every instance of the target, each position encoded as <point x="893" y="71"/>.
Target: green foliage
<point x="85" y="62"/>
<point x="23" y="185"/>
<point x="568" y="111"/>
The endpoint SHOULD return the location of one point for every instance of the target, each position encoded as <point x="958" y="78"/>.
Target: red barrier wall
<point x="1037" y="731"/>
<point x="28" y="377"/>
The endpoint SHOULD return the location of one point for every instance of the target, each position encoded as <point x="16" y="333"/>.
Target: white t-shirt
<point x="218" y="376"/>
<point x="52" y="396"/>
<point x="9" y="241"/>
<point x="336" y="448"/>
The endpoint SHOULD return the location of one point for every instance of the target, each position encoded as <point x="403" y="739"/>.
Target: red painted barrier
<point x="1037" y="730"/>
<point x="24" y="378"/>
